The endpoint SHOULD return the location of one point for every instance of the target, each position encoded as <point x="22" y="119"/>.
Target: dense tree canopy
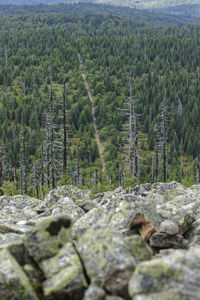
<point x="39" y="52"/>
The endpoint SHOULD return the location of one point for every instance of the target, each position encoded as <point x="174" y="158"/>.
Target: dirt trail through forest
<point x="100" y="146"/>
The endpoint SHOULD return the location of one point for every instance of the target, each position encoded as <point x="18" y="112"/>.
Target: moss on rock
<point x="64" y="273"/>
<point x="178" y="274"/>
<point x="48" y="237"/>
<point x="14" y="284"/>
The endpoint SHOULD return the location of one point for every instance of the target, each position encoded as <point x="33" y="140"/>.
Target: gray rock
<point x="64" y="206"/>
<point x="107" y="259"/>
<point x="176" y="276"/>
<point x="164" y="240"/>
<point x="88" y="205"/>
<point x="113" y="298"/>
<point x="19" y="201"/>
<point x="94" y="292"/>
<point x="14" y="284"/>
<point x="64" y="273"/>
<point x="48" y="237"/>
<point x="169" y="227"/>
<point x="7" y="238"/>
<point x="139" y="248"/>
<point x="85" y="222"/>
<point x="71" y="191"/>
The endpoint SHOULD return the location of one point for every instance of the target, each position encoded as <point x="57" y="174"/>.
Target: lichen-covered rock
<point x="19" y="201"/>
<point x="139" y="248"/>
<point x="123" y="208"/>
<point x="169" y="227"/>
<point x="17" y="250"/>
<point x="94" y="292"/>
<point x="87" y="205"/>
<point x="118" y="213"/>
<point x="164" y="240"/>
<point x="63" y="206"/>
<point x="176" y="276"/>
<point x="68" y="207"/>
<point x="8" y="238"/>
<point x="85" y="222"/>
<point x="64" y="273"/>
<point x="71" y="191"/>
<point x="107" y="259"/>
<point x="14" y="284"/>
<point x="48" y="237"/>
<point x="10" y="228"/>
<point x="113" y="298"/>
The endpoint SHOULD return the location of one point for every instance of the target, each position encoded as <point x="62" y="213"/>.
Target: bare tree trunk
<point x="164" y="137"/>
<point x="52" y="142"/>
<point x="21" y="176"/>
<point x="96" y="177"/>
<point x="77" y="171"/>
<point x="15" y="178"/>
<point x="36" y="181"/>
<point x="135" y="146"/>
<point x="1" y="169"/>
<point x="64" y="130"/>
<point x="164" y="162"/>
<point x="52" y="158"/>
<point x="182" y="164"/>
<point x="48" y="153"/>
<point x="24" y="165"/>
<point x="42" y="169"/>
<point x="130" y="129"/>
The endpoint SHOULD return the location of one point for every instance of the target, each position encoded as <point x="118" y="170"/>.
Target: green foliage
<point x="129" y="181"/>
<point x="163" y="62"/>
<point x="9" y="189"/>
<point x="66" y="180"/>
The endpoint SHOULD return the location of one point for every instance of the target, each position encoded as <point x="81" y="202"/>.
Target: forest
<point x="145" y="82"/>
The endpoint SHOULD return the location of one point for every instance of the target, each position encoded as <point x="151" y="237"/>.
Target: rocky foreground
<point x="141" y="243"/>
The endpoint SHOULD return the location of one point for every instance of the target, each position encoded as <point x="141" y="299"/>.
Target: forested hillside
<point x="148" y="3"/>
<point x="157" y="18"/>
<point x="139" y="75"/>
<point x="183" y="10"/>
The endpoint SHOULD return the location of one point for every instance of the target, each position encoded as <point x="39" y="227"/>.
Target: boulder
<point x="94" y="292"/>
<point x="169" y="227"/>
<point x="63" y="206"/>
<point x="14" y="284"/>
<point x="48" y="237"/>
<point x="64" y="273"/>
<point x="106" y="258"/>
<point x="7" y="238"/>
<point x="18" y="251"/>
<point x="139" y="248"/>
<point x="88" y="205"/>
<point x="113" y="298"/>
<point x="19" y="201"/>
<point x="85" y="222"/>
<point x="67" y="206"/>
<point x="176" y="276"/>
<point x="71" y="191"/>
<point x="164" y="240"/>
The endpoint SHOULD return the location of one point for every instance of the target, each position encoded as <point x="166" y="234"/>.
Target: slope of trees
<point x="38" y="53"/>
<point x="155" y="18"/>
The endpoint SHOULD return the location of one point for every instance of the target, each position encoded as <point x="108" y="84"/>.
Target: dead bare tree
<point x="64" y="129"/>
<point x="163" y="136"/>
<point x="24" y="165"/>
<point x="47" y="129"/>
<point x="36" y="179"/>
<point x="42" y="170"/>
<point x="131" y="132"/>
